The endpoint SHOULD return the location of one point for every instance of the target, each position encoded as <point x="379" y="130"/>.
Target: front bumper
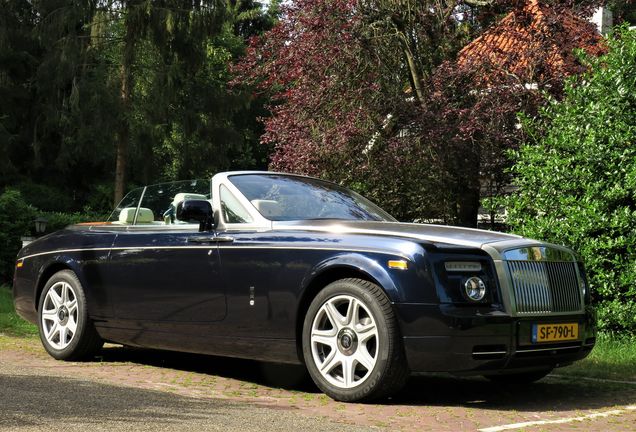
<point x="483" y="340"/>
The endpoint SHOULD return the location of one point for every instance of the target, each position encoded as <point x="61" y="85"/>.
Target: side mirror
<point x="196" y="211"/>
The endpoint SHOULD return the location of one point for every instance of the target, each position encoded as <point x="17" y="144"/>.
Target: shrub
<point x="57" y="221"/>
<point x="16" y="220"/>
<point x="577" y="178"/>
<point x="100" y="198"/>
<point x="45" y="197"/>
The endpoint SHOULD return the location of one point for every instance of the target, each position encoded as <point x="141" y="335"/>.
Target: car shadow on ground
<point x="283" y="376"/>
<point x="435" y="390"/>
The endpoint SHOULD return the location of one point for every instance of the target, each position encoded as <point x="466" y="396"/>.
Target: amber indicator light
<point x="398" y="264"/>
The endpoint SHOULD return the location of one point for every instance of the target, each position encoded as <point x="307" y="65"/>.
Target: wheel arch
<point x="336" y="268"/>
<point x="84" y="341"/>
<point x="45" y="273"/>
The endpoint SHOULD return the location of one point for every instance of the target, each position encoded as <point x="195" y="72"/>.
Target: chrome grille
<point x="545" y="286"/>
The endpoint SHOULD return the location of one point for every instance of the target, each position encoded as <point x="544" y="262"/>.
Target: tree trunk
<point x="416" y="79"/>
<point x="468" y="207"/>
<point x="470" y="192"/>
<point x="121" y="161"/>
<point x="123" y="134"/>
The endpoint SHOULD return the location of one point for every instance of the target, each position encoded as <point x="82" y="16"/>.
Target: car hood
<point x="424" y="232"/>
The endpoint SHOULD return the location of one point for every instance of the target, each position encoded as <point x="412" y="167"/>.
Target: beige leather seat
<point x="127" y="215"/>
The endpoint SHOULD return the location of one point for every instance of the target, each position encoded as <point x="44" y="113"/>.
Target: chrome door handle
<point x="210" y="239"/>
<point x="223" y="239"/>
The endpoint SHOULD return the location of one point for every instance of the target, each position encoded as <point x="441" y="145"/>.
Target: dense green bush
<point x="44" y="197"/>
<point x="47" y="198"/>
<point x="100" y="198"/>
<point x="577" y="178"/>
<point x="57" y="221"/>
<point x="16" y="220"/>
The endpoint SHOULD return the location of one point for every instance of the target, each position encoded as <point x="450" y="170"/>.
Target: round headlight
<point x="475" y="288"/>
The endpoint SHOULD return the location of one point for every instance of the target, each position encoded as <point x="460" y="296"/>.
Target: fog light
<point x="475" y="288"/>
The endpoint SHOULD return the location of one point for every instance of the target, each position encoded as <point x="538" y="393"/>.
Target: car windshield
<point x="287" y="197"/>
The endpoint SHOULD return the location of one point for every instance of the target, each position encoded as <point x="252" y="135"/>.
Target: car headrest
<point x="182" y="196"/>
<point x="127" y="215"/>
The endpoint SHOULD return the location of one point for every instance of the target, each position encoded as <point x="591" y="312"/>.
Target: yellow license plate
<point x="554" y="332"/>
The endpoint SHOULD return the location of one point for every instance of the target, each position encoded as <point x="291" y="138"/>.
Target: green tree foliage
<point x="182" y="120"/>
<point x="577" y="178"/>
<point x="62" y="114"/>
<point x="57" y="102"/>
<point x="624" y="11"/>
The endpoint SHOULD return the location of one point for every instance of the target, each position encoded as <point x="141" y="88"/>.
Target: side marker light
<point x="398" y="264"/>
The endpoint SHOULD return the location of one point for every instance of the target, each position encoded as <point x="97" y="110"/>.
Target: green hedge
<point x="17" y="219"/>
<point x="45" y="197"/>
<point x="57" y="221"/>
<point x="577" y="179"/>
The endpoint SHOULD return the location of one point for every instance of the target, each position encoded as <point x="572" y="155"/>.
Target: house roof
<point x="534" y="42"/>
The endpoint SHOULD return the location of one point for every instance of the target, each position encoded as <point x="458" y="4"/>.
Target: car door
<point x="163" y="274"/>
<point x="256" y="278"/>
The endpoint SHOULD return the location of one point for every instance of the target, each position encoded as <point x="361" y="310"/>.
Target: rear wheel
<point x="351" y="343"/>
<point x="65" y="328"/>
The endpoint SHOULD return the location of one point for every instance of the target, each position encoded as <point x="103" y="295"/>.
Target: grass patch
<point x="10" y="322"/>
<point x="612" y="358"/>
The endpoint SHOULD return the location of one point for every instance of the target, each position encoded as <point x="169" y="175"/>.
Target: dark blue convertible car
<point x="291" y="269"/>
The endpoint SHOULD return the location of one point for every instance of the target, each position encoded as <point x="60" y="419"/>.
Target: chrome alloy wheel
<point x="59" y="315"/>
<point x="344" y="341"/>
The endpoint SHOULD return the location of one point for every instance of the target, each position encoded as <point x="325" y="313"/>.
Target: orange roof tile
<point x="534" y="42"/>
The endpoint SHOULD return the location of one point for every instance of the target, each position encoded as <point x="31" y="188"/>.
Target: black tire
<point x="520" y="378"/>
<point x="84" y="342"/>
<point x="390" y="371"/>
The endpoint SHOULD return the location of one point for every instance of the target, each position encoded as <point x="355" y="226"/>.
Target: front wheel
<point x="351" y="343"/>
<point x="65" y="329"/>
